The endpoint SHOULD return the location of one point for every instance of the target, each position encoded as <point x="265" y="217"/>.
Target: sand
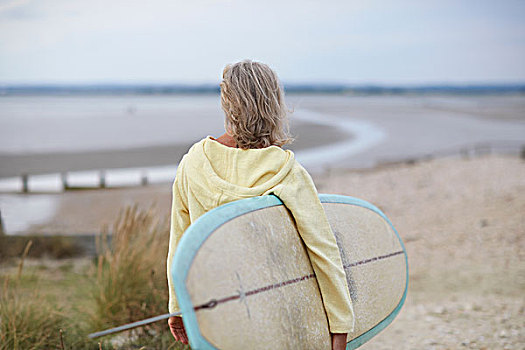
<point x="463" y="223"/>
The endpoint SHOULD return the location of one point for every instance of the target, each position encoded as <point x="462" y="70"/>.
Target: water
<point x="44" y="124"/>
<point x="19" y="212"/>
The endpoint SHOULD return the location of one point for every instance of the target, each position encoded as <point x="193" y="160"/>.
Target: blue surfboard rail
<point x="203" y="227"/>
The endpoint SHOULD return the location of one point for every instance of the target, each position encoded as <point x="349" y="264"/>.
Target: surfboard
<point x="243" y="279"/>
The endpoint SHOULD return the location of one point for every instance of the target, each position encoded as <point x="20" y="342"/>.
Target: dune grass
<point x="131" y="276"/>
<point x="56" y="307"/>
<point x="26" y="323"/>
<point x="28" y="320"/>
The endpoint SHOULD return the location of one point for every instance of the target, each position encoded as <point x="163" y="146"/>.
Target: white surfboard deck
<point x="243" y="279"/>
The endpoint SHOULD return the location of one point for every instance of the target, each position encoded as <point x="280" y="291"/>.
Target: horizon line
<point x="116" y="83"/>
<point x="201" y="88"/>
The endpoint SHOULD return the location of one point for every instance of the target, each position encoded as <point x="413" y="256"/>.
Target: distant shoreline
<point x="348" y="89"/>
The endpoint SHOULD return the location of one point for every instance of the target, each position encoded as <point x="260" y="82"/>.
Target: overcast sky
<point x="172" y="41"/>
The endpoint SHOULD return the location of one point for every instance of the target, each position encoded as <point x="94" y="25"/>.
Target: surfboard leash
<point x="133" y="325"/>
<point x="209" y="305"/>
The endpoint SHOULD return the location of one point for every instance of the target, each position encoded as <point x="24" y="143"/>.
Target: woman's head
<point x="253" y="101"/>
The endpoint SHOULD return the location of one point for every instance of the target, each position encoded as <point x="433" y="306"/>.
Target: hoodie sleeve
<point x="299" y="195"/>
<point x="180" y="220"/>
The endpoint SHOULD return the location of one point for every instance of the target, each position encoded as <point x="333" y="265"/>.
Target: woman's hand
<point x="338" y="341"/>
<point x="177" y="329"/>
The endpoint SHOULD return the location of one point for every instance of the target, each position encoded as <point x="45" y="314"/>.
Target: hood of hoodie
<point x="240" y="172"/>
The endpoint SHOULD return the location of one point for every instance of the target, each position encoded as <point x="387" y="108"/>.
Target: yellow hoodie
<point x="212" y="174"/>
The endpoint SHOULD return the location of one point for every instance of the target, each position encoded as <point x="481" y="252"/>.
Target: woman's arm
<point x="299" y="195"/>
<point x="180" y="220"/>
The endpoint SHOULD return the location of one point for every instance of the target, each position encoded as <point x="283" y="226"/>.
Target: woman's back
<point x="212" y="174"/>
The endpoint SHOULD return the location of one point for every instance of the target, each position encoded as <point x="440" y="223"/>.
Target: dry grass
<point x="131" y="276"/>
<point x="128" y="281"/>
<point x="27" y="321"/>
<point x="131" y="272"/>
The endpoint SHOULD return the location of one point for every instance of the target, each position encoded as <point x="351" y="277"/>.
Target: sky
<point x="399" y="42"/>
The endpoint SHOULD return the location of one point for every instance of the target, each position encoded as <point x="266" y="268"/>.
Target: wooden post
<point x="102" y="179"/>
<point x="144" y="179"/>
<point x="522" y="154"/>
<point x="64" y="181"/>
<point x="25" y="183"/>
<point x="2" y="230"/>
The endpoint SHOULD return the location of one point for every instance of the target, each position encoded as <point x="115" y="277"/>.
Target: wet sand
<point x="419" y="126"/>
<point x="307" y="134"/>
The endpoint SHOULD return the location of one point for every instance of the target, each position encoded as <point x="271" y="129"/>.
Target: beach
<point x="446" y="171"/>
<point x="462" y="224"/>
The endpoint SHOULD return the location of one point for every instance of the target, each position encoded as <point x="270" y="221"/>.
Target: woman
<point x="248" y="161"/>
